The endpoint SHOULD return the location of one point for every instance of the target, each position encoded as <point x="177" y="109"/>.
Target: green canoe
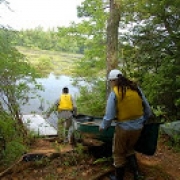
<point x="90" y="125"/>
<point x="146" y="144"/>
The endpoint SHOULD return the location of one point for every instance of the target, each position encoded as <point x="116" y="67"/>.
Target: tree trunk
<point x="112" y="38"/>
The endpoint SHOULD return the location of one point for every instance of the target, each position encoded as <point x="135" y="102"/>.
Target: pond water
<point x="52" y="89"/>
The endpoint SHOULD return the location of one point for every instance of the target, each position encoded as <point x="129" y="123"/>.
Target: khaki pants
<point x="123" y="145"/>
<point x="64" y="123"/>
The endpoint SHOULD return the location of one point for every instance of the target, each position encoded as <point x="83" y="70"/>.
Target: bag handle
<point x="161" y="119"/>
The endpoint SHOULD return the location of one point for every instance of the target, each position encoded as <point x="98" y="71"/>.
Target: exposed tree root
<point x="103" y="173"/>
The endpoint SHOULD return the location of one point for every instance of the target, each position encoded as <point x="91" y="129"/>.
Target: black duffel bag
<point x="147" y="142"/>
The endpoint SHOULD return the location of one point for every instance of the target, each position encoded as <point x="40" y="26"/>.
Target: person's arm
<point x="74" y="106"/>
<point x="110" y="112"/>
<point x="146" y="106"/>
<point x="52" y="108"/>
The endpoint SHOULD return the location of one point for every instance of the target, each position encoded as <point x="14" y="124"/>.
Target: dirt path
<point x="165" y="160"/>
<point x="66" y="164"/>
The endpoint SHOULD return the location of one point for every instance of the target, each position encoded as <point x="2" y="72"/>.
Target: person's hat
<point x="113" y="74"/>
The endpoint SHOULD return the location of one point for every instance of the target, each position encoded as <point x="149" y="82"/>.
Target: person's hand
<point x="74" y="114"/>
<point x="74" y="111"/>
<point x="100" y="129"/>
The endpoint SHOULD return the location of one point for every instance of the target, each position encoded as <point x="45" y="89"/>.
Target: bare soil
<point x="54" y="160"/>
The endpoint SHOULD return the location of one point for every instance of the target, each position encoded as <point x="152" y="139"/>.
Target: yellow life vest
<point x="65" y="102"/>
<point x="130" y="107"/>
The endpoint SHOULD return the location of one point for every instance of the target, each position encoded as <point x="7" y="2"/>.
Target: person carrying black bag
<point x="129" y="106"/>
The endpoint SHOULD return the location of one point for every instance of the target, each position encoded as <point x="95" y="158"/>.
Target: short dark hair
<point x="65" y="90"/>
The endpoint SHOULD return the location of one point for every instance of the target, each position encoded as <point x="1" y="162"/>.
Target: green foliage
<point x="14" y="149"/>
<point x="158" y="111"/>
<point x="162" y="88"/>
<point x="58" y="146"/>
<point x="173" y="141"/>
<point x="103" y="160"/>
<point x="16" y="74"/>
<point x="46" y="62"/>
<point x="14" y="145"/>
<point x="46" y="40"/>
<point x="91" y="34"/>
<point x="17" y="86"/>
<point x="152" y="55"/>
<point x="149" y="48"/>
<point x="92" y="99"/>
<point x="44" y="65"/>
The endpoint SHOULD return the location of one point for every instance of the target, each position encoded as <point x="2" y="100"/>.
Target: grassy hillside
<point x="50" y="61"/>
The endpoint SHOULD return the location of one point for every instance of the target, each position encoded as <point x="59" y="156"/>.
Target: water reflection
<point x="52" y="89"/>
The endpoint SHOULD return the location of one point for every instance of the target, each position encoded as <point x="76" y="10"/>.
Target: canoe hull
<point x="90" y="125"/>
